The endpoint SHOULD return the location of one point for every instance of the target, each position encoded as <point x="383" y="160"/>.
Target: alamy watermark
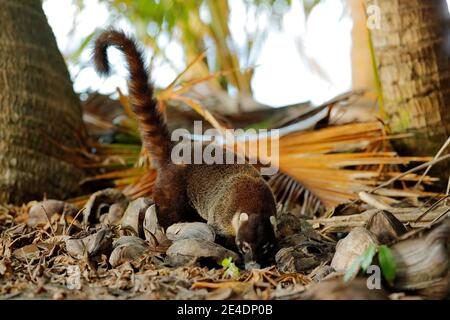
<point x="209" y="147"/>
<point x="374" y="279"/>
<point x="73" y="280"/>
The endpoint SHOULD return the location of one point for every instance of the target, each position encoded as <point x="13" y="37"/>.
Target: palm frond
<point x="319" y="169"/>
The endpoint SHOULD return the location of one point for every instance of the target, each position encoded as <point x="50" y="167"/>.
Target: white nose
<point x="252" y="265"/>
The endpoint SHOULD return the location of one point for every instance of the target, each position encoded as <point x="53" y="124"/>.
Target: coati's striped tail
<point x="155" y="135"/>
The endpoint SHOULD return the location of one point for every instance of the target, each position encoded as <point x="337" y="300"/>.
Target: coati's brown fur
<point x="233" y="198"/>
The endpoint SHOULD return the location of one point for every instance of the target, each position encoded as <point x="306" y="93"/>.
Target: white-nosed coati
<point x="233" y="198"/>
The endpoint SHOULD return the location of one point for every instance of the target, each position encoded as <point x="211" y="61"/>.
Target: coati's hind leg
<point x="170" y="196"/>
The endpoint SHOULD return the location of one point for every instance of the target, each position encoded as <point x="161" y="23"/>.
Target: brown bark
<point x="39" y="112"/>
<point x="412" y="49"/>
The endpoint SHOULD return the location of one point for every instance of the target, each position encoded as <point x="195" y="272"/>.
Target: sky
<point x="282" y="75"/>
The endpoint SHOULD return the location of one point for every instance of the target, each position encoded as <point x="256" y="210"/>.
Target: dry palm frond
<point x="330" y="166"/>
<point x="318" y="168"/>
<point x="322" y="168"/>
<point x="334" y="164"/>
<point x="289" y="192"/>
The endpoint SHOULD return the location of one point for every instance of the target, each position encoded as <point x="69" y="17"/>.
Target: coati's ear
<point x="273" y="222"/>
<point x="243" y="217"/>
<point x="238" y="218"/>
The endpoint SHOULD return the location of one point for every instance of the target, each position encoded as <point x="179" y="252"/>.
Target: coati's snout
<point x="255" y="239"/>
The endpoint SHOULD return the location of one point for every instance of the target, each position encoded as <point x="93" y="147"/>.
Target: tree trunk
<point x="412" y="46"/>
<point x="40" y="115"/>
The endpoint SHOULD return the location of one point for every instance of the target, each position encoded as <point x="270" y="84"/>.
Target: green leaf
<point x="387" y="263"/>
<point x="226" y="262"/>
<point x="363" y="262"/>
<point x="231" y="271"/>
<point x="352" y="270"/>
<point x="367" y="257"/>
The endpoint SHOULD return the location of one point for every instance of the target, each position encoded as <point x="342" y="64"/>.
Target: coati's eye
<point x="246" y="247"/>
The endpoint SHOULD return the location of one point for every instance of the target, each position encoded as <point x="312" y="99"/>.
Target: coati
<point x="233" y="198"/>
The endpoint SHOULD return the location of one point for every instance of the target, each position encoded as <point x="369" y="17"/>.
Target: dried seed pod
<point x="351" y="247"/>
<point x="303" y="257"/>
<point x="100" y="243"/>
<point x="133" y="217"/>
<point x="76" y="247"/>
<point x="91" y="245"/>
<point x="422" y="264"/>
<point x="184" y="251"/>
<point x="127" y="248"/>
<point x="288" y="225"/>
<point x="115" y="213"/>
<point x="152" y="230"/>
<point x="440" y="289"/>
<point x="190" y="230"/>
<point x="385" y="226"/>
<point x="100" y="202"/>
<point x="41" y="212"/>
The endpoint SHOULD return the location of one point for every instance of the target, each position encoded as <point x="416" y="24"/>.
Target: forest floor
<point x="47" y="253"/>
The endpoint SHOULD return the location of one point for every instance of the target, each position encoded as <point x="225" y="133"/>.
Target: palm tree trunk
<point x="40" y="115"/>
<point x="412" y="48"/>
